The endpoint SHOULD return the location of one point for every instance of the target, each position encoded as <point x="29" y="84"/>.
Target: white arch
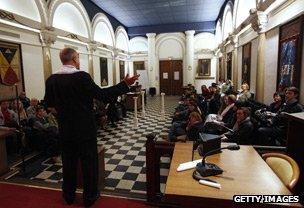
<point x="204" y="40"/>
<point x="218" y="32"/>
<point x="121" y="39"/>
<point x="138" y="44"/>
<point x="102" y="21"/>
<point x="42" y="7"/>
<point x="54" y="4"/>
<point x="241" y="11"/>
<point x="160" y="39"/>
<point x="227" y="24"/>
<point x="29" y="9"/>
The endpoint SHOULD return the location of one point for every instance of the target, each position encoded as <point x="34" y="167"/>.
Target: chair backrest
<point x="285" y="168"/>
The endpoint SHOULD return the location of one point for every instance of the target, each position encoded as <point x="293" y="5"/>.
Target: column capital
<point x="92" y="46"/>
<point x="258" y="20"/>
<point x="233" y="39"/>
<point x="190" y="32"/>
<point x="151" y="35"/>
<point x="48" y="36"/>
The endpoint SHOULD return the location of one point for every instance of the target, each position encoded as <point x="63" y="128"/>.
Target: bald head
<point x="69" y="56"/>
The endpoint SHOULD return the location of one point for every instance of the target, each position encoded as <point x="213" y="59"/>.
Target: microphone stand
<point x="210" y="169"/>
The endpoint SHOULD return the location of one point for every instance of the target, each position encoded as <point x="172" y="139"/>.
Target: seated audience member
<point x="242" y="129"/>
<point x="277" y="131"/>
<point x="215" y="101"/>
<point x="244" y="94"/>
<point x="9" y="121"/>
<point x="195" y="125"/>
<point x="121" y="103"/>
<point x="100" y="113"/>
<point x="226" y="114"/>
<point x="278" y="100"/>
<point x="8" y="117"/>
<point x="184" y="109"/>
<point x="22" y="113"/>
<point x="179" y="125"/>
<point x="226" y="87"/>
<point x="112" y="112"/>
<point x="205" y="92"/>
<point x="31" y="111"/>
<point x="48" y="134"/>
<point x="25" y="100"/>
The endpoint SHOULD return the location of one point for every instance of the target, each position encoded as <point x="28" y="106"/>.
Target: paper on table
<point x="188" y="165"/>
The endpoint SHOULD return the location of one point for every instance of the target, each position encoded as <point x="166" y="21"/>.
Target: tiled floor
<point x="125" y="151"/>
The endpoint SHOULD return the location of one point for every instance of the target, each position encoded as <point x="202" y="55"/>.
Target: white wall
<point x="33" y="71"/>
<point x="170" y="48"/>
<point x="67" y="17"/>
<point x="239" y="65"/>
<point x="28" y="9"/>
<point x="31" y="52"/>
<point x="271" y="61"/>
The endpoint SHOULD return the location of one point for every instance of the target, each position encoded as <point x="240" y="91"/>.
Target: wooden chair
<point x="285" y="168"/>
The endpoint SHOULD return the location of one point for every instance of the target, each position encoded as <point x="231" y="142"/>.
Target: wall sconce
<point x="151" y="68"/>
<point x="189" y="68"/>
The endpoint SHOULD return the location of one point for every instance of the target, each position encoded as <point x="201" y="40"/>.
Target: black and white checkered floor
<point x="125" y="159"/>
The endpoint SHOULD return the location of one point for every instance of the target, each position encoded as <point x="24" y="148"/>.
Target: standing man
<point x="71" y="92"/>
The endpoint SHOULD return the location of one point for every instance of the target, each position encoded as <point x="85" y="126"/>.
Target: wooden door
<point x="177" y="77"/>
<point x="165" y="77"/>
<point x="171" y="77"/>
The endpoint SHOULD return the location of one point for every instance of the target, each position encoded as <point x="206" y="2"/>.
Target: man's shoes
<point x="68" y="199"/>
<point x="90" y="202"/>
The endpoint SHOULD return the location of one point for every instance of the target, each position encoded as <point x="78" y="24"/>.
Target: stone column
<point x="151" y="59"/>
<point x="261" y="68"/>
<point x="91" y="49"/>
<point x="258" y="22"/>
<point x="47" y="38"/>
<point x="190" y="56"/>
<point x="114" y="66"/>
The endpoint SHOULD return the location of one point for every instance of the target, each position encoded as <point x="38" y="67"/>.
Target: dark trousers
<point x="86" y="151"/>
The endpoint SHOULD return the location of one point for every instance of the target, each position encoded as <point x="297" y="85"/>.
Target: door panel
<point x="171" y="77"/>
<point x="177" y="77"/>
<point x="165" y="75"/>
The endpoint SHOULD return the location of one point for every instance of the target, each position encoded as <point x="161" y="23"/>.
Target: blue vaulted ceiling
<point x="143" y="16"/>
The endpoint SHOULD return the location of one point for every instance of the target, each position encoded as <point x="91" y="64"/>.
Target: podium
<point x="3" y="154"/>
<point x="130" y="100"/>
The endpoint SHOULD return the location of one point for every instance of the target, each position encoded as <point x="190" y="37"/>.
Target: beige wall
<point x="33" y="71"/>
<point x="271" y="61"/>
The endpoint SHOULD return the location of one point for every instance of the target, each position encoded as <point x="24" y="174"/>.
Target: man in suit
<point x="71" y="92"/>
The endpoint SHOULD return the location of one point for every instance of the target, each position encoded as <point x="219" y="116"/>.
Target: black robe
<point x="72" y="96"/>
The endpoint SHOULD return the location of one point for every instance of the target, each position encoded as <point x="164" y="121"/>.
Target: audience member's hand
<point x="130" y="80"/>
<point x="224" y="138"/>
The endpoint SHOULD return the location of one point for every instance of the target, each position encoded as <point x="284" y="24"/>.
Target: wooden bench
<point x="154" y="151"/>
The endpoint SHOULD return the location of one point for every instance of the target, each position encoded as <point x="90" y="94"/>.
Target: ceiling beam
<point x="208" y="26"/>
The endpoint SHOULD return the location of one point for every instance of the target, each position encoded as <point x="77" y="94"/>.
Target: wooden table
<point x="3" y="155"/>
<point x="245" y="173"/>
